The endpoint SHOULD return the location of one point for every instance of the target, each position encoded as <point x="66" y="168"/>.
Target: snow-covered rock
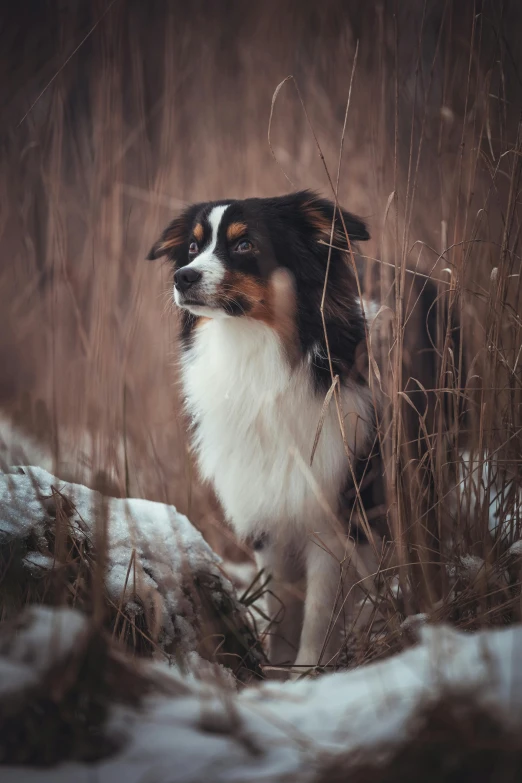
<point x="187" y="731"/>
<point x="162" y="580"/>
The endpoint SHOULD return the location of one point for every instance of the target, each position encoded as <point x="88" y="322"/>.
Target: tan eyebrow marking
<point x="235" y="230"/>
<point x="198" y="232"/>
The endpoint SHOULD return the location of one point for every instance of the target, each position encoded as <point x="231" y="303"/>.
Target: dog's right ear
<point x="175" y="236"/>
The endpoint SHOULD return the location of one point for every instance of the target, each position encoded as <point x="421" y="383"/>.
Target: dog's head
<point x="225" y="252"/>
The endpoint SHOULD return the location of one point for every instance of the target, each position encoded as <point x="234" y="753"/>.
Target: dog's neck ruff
<point x="255" y="421"/>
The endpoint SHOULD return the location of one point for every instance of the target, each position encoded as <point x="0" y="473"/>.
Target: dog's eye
<point x="245" y="246"/>
<point x="193" y="248"/>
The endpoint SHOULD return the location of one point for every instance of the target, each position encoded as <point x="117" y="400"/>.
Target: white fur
<point x="253" y="413"/>
<point x="256" y="423"/>
<point x="210" y="265"/>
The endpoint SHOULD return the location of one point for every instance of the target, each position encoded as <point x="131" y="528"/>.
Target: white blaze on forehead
<point x="212" y="269"/>
<point x="207" y="262"/>
<point x="214" y="218"/>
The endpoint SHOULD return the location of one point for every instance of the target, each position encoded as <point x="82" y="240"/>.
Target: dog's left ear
<point x="319" y="212"/>
<point x="175" y="236"/>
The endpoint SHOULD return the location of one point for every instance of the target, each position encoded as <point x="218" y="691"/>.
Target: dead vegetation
<point x="99" y="153"/>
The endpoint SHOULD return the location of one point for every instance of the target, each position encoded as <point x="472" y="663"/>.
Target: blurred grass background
<point x="114" y="114"/>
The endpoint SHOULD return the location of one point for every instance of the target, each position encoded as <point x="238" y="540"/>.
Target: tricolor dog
<point x="256" y="375"/>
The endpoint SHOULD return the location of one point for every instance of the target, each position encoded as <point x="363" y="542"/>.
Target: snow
<point x="482" y="483"/>
<point x="467" y="566"/>
<point x="39" y="638"/>
<point x="22" y="511"/>
<point x="516" y="549"/>
<point x="414" y="622"/>
<point x="38" y="562"/>
<point x="280" y="732"/>
<point x="208" y="731"/>
<point x="43" y="635"/>
<point x="154" y="552"/>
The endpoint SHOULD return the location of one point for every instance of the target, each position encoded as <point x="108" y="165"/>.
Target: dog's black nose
<point x="185" y="277"/>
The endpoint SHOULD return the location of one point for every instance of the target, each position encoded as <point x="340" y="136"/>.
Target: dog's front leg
<point x="284" y="599"/>
<point x="329" y="599"/>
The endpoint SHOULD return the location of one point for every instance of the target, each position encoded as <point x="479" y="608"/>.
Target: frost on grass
<point x="448" y="709"/>
<point x="164" y="588"/>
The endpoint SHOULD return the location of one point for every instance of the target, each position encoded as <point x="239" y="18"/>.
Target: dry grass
<point x="164" y="106"/>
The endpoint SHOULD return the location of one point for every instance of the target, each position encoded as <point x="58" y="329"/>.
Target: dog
<point x="282" y="416"/>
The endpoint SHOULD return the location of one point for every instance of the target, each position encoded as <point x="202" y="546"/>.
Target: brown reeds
<point x="101" y="143"/>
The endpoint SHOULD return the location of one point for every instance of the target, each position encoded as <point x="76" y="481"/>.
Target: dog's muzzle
<point x="185" y="278"/>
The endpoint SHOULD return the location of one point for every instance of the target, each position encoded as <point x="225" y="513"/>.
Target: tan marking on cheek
<point x="198" y="232"/>
<point x="273" y="302"/>
<point x="256" y="292"/>
<point x="201" y="321"/>
<point x="235" y="230"/>
<point x="284" y="308"/>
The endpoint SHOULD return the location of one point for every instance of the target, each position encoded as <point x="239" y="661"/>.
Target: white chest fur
<point x="253" y="414"/>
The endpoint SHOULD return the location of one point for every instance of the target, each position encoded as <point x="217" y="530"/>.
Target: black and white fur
<point x="255" y="406"/>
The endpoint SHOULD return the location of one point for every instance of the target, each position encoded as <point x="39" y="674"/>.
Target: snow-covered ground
<point x="155" y="558"/>
<point x="192" y="732"/>
<point x="191" y="729"/>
